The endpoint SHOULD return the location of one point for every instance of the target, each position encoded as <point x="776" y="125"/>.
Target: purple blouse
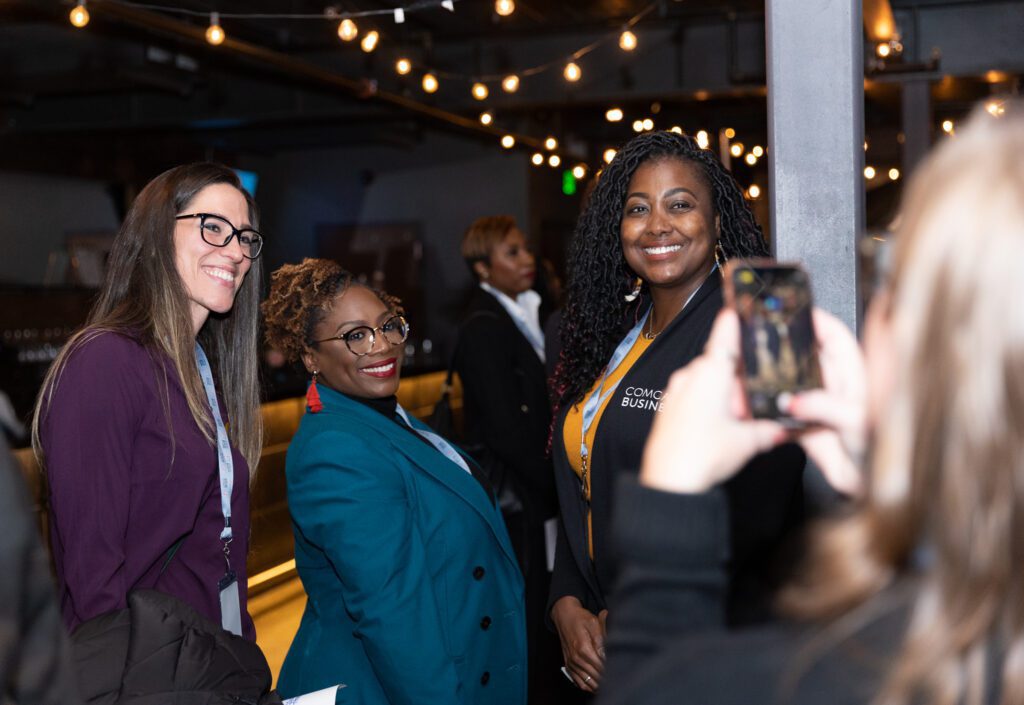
<point x="126" y="482"/>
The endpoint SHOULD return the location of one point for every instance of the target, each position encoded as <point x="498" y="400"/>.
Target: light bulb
<point x="736" y="150"/>
<point x="947" y="126"/>
<point x="554" y="160"/>
<point x="508" y="141"/>
<point x="894" y="173"/>
<point x="486" y="118"/>
<point x="613" y="115"/>
<point x="757" y="151"/>
<point x="403" y="66"/>
<point x="702" y="139"/>
<point x="370" y="40"/>
<point x="504" y="7"/>
<point x="675" y="128"/>
<point x="550" y="143"/>
<point x="579" y="171"/>
<point x="869" y="172"/>
<point x="608" y="155"/>
<point x="347" y="30"/>
<point x="883" y="49"/>
<point x="430" y="84"/>
<point x="480" y="91"/>
<point x="537" y="158"/>
<point x="648" y="124"/>
<point x="627" y="41"/>
<point x="638" y="126"/>
<point x="754" y="191"/>
<point x="510" y="84"/>
<point x="79" y="15"/>
<point x="215" y="33"/>
<point x="750" y="159"/>
<point x="730" y="133"/>
<point x="572" y="72"/>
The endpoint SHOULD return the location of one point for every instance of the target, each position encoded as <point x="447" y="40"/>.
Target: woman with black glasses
<point x="148" y="424"/>
<point x="414" y="593"/>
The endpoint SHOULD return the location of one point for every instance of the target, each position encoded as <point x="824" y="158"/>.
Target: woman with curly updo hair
<point x="643" y="292"/>
<point x="414" y="593"/>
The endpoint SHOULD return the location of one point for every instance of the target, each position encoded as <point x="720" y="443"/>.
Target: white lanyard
<point x="228" y="586"/>
<point x="435" y="440"/>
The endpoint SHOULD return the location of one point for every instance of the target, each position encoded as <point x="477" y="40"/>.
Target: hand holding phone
<point x="777" y="341"/>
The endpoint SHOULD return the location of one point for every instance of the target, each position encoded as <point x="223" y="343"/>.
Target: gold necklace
<point x="648" y="334"/>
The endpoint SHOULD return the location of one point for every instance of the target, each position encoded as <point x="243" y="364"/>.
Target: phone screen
<point x="776" y="333"/>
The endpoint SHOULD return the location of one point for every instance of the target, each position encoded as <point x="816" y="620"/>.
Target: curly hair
<point x="300" y="296"/>
<point x="599" y="276"/>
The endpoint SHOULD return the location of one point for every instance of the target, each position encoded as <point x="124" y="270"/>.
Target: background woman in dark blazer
<point x="642" y="284"/>
<point x="414" y="595"/>
<point x="507" y="412"/>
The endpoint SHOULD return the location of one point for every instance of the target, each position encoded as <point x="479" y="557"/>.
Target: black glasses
<point x="218" y="231"/>
<point x="360" y="340"/>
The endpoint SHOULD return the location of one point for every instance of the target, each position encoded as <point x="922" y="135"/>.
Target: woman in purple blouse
<point x="149" y="483"/>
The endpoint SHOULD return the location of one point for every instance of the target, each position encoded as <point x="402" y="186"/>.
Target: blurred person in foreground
<point x="644" y="288"/>
<point x="414" y="594"/>
<point x="917" y="594"/>
<point x="500" y="360"/>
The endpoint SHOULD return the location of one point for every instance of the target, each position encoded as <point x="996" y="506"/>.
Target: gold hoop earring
<point x="720" y="258"/>
<point x="635" y="294"/>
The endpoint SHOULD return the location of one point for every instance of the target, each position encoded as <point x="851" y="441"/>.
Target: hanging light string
<point x="412" y="7"/>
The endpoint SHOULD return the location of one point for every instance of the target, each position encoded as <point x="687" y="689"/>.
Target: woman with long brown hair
<point x="149" y="422"/>
<point x="919" y="591"/>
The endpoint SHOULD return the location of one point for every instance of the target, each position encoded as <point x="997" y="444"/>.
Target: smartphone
<point x="777" y="342"/>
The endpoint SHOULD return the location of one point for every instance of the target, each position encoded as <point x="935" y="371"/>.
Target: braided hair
<point x="599" y="276"/>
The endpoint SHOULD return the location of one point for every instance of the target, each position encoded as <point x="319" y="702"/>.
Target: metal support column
<point x="815" y="142"/>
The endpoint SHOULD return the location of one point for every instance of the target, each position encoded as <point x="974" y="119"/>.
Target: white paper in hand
<point x="321" y="697"/>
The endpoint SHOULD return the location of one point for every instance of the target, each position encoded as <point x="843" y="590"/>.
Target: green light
<point x="568" y="183"/>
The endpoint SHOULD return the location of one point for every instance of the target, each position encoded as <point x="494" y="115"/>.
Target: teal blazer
<point x="413" y="591"/>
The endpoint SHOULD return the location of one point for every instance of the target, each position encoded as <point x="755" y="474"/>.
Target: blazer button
<point x="485" y="623"/>
<point x="524" y="408"/>
<point x="485" y="677"/>
<point x="478" y="573"/>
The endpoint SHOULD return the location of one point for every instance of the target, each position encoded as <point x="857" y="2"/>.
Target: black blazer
<point x="766" y="497"/>
<point x="505" y="399"/>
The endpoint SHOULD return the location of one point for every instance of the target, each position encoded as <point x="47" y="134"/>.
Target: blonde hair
<point x="947" y="470"/>
<point x="483" y="236"/>
<point x="143" y="296"/>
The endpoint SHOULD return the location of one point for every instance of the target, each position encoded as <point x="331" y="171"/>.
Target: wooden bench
<point x="271" y="544"/>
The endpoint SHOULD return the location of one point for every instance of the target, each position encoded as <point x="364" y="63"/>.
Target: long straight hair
<point x="947" y="469"/>
<point x="143" y="296"/>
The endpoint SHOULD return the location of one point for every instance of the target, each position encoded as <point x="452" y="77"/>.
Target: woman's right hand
<point x="582" y="636"/>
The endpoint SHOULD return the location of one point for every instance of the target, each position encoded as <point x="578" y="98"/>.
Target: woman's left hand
<point x="704" y="434"/>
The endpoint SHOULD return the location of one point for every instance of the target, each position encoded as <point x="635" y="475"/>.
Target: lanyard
<point x="597" y="397"/>
<point x="225" y="463"/>
<point x="533" y="336"/>
<point x="435" y="440"/>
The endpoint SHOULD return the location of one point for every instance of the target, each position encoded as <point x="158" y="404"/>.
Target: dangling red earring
<point x="313" y="397"/>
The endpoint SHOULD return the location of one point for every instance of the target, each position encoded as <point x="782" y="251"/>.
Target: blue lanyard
<point x="225" y="463"/>
<point x="435" y="440"/>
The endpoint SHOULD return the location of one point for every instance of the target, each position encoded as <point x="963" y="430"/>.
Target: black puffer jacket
<point x="158" y="651"/>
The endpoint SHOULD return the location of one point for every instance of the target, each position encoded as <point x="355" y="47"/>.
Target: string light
<point x="613" y="114"/>
<point x="430" y="84"/>
<point x="736" y="150"/>
<point x="579" y="171"/>
<point x="729" y="133"/>
<point x="627" y="41"/>
<point x="79" y="15"/>
<point x="215" y="33"/>
<point x="550" y="144"/>
<point x="510" y="84"/>
<point x="370" y="41"/>
<point x="480" y="91"/>
<point x="508" y="141"/>
<point x="537" y="159"/>
<point x="750" y="159"/>
<point x="504" y="7"/>
<point x="648" y="124"/>
<point x="757" y="151"/>
<point x="676" y="129"/>
<point x="554" y="160"/>
<point x="883" y="49"/>
<point x="894" y="174"/>
<point x="486" y="118"/>
<point x="947" y="126"/>
<point x="347" y="30"/>
<point x="403" y="66"/>
<point x="754" y="192"/>
<point x="869" y="172"/>
<point x="702" y="139"/>
<point x="608" y="155"/>
<point x="638" y="126"/>
<point x="572" y="72"/>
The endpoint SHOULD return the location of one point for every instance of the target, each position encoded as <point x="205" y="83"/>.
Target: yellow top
<point x="573" y="426"/>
